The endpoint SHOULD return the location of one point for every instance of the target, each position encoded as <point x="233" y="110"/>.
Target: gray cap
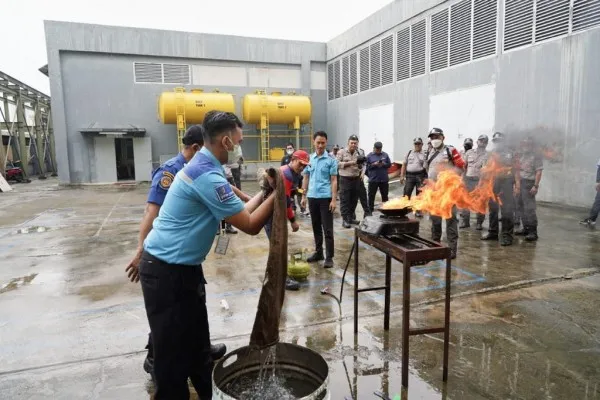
<point x="483" y="138"/>
<point x="417" y="140"/>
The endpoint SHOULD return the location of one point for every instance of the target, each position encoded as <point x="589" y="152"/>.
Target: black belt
<point x="350" y="177"/>
<point x="416" y="173"/>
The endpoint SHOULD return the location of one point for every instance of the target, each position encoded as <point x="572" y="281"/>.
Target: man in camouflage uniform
<point x="507" y="183"/>
<point x="531" y="165"/>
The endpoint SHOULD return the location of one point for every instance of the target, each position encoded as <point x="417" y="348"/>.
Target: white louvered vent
<point x="330" y="91"/>
<point x="518" y="23"/>
<point x="403" y="54"/>
<point x="364" y="69"/>
<point x="551" y="19"/>
<point x="375" y="64"/>
<point x="417" y="48"/>
<point x="460" y="32"/>
<point x="345" y="77"/>
<point x="586" y="14"/>
<point x="387" y="60"/>
<point x="336" y="78"/>
<point x="353" y="74"/>
<point x="484" y="28"/>
<point x="439" y="41"/>
<point x="176" y="73"/>
<point x="147" y="72"/>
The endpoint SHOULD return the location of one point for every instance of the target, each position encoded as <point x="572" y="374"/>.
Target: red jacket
<point x="288" y="180"/>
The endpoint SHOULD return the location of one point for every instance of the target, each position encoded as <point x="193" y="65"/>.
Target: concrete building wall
<point x="552" y="88"/>
<point x="92" y="82"/>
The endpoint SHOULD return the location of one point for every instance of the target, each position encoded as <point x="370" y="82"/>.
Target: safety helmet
<point x="483" y="138"/>
<point x="436" y="131"/>
<point x="497" y="136"/>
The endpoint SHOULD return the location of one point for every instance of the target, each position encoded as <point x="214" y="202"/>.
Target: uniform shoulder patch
<point x="224" y="192"/>
<point x="166" y="180"/>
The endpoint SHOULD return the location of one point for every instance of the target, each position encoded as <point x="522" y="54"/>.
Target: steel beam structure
<point x="27" y="143"/>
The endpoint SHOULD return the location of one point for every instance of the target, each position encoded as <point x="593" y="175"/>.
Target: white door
<point x="142" y="153"/>
<point x="463" y="113"/>
<point x="105" y="159"/>
<point x="376" y="124"/>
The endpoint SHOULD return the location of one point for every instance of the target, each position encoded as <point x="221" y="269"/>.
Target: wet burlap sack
<point x="266" y="324"/>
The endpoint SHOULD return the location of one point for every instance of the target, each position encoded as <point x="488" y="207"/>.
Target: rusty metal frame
<point x="408" y="258"/>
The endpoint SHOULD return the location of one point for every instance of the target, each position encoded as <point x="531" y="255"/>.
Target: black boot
<point x="531" y="235"/>
<point x="479" y="226"/>
<point x="291" y="284"/>
<point x="316" y="256"/>
<point x="490" y="236"/>
<point x="506" y="240"/>
<point x="464" y="224"/>
<point x="346" y="224"/>
<point x="217" y="351"/>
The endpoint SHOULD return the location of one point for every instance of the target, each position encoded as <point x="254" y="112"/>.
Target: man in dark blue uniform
<point x="162" y="177"/>
<point x="171" y="264"/>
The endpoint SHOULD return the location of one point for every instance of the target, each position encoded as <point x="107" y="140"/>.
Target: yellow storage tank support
<point x="195" y="105"/>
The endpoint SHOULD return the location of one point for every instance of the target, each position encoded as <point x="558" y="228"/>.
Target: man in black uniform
<point x="507" y="185"/>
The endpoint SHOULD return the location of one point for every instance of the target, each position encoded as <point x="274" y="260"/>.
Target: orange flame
<point x="449" y="190"/>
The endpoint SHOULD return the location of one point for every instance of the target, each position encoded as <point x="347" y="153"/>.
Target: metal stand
<point x="409" y="257"/>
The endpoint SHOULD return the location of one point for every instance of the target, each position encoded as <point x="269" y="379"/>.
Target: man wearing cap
<point x="334" y="151"/>
<point x="531" y="164"/>
<point x="350" y="164"/>
<point x="413" y="173"/>
<point x="290" y="172"/>
<point x="162" y="178"/>
<point x="507" y="184"/>
<point x="475" y="159"/>
<point x="437" y="159"/>
<point x="467" y="145"/>
<point x="378" y="163"/>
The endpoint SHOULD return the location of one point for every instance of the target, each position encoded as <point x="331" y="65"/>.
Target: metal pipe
<point x="447" y="317"/>
<point x="356" y="282"/>
<point x="405" y="319"/>
<point x="388" y="286"/>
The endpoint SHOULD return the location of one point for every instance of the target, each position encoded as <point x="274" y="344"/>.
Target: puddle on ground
<point x="17" y="282"/>
<point x="99" y="292"/>
<point x="33" y="229"/>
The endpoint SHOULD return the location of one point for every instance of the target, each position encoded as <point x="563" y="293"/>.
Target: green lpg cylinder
<point x="298" y="268"/>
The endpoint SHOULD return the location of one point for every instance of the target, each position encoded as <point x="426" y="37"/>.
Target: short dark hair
<point x="290" y="144"/>
<point x="320" y="133"/>
<point x="193" y="135"/>
<point x="217" y="122"/>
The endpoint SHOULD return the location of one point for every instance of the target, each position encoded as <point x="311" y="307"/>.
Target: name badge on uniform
<point x="224" y="192"/>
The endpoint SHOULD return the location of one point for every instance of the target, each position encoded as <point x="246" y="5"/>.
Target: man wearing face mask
<point x="162" y="178"/>
<point x="297" y="188"/>
<point x="467" y="145"/>
<point x="171" y="272"/>
<point x="531" y="165"/>
<point x="437" y="159"/>
<point x="475" y="159"/>
<point x="506" y="185"/>
<point x="233" y="173"/>
<point x="350" y="166"/>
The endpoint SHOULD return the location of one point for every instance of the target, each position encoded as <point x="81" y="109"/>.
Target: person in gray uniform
<point x="475" y="159"/>
<point x="413" y="173"/>
<point x="590" y="221"/>
<point x="507" y="184"/>
<point x="531" y="164"/>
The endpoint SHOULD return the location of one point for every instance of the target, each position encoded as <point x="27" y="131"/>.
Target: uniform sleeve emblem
<point x="224" y="192"/>
<point x="166" y="180"/>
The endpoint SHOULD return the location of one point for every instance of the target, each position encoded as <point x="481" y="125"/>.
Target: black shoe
<point x="506" y="241"/>
<point x="346" y="224"/>
<point x="587" y="222"/>
<point x="149" y="367"/>
<point x="418" y="214"/>
<point x="368" y="214"/>
<point x="230" y="229"/>
<point x="479" y="227"/>
<point x="315" y="257"/>
<point x="464" y="224"/>
<point x="356" y="222"/>
<point x="328" y="263"/>
<point x="521" y="232"/>
<point x="217" y="351"/>
<point x="453" y="254"/>
<point x="531" y="237"/>
<point x="490" y="236"/>
<point x="291" y="284"/>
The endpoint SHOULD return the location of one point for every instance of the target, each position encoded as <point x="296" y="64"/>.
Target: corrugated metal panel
<point x="439" y="41"/>
<point x="364" y="69"/>
<point x="336" y="78"/>
<point x="387" y="60"/>
<point x="484" y="28"/>
<point x="147" y="72"/>
<point x="375" y="64"/>
<point x="518" y="23"/>
<point x="176" y="73"/>
<point x="417" y="48"/>
<point x="403" y="54"/>
<point x="353" y="74"/>
<point x="586" y="14"/>
<point x="330" y="91"/>
<point x="345" y="76"/>
<point x="460" y="32"/>
<point x="551" y="19"/>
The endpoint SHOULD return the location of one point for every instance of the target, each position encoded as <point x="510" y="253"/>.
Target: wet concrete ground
<point x="524" y="319"/>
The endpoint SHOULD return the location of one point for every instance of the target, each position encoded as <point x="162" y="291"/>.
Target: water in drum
<point x="269" y="383"/>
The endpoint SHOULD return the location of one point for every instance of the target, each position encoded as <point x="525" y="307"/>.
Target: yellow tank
<point x="197" y="104"/>
<point x="281" y="109"/>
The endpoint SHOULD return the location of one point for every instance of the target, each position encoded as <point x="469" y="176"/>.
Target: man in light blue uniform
<point x="162" y="178"/>
<point x="171" y="266"/>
